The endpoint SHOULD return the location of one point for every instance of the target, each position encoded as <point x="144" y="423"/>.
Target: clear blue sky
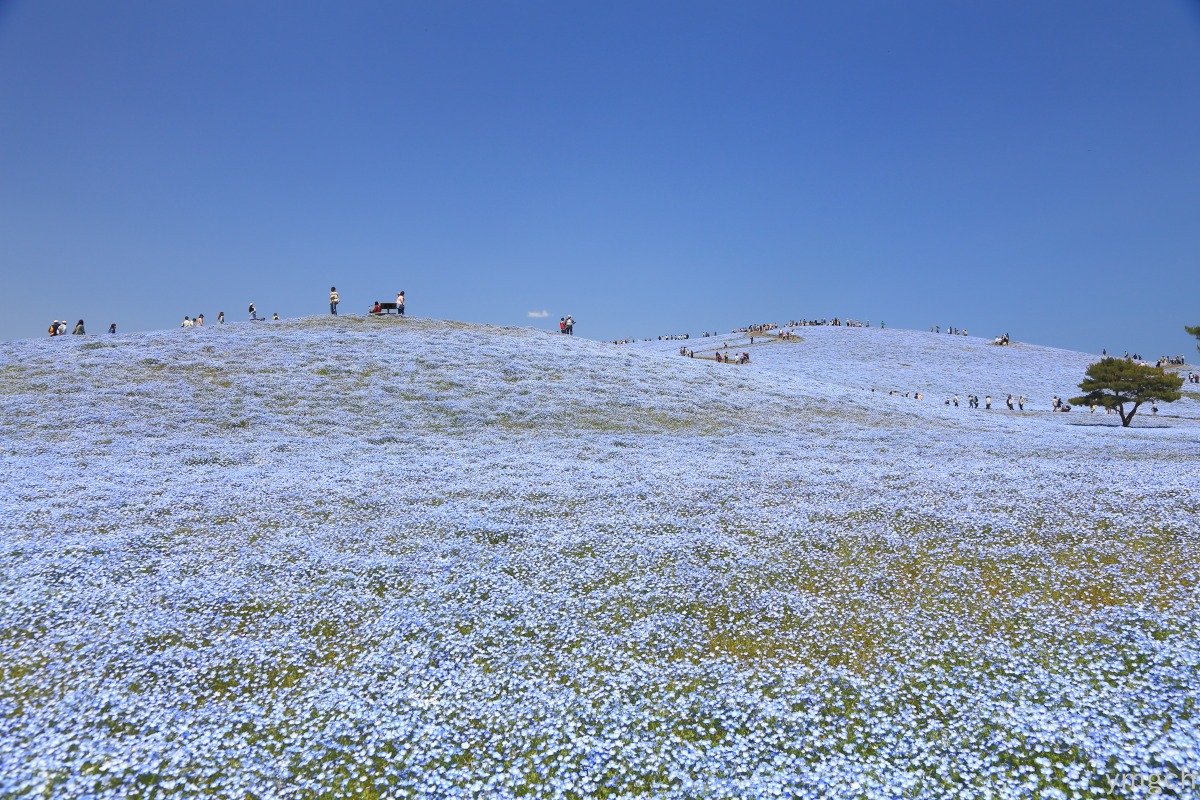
<point x="650" y="167"/>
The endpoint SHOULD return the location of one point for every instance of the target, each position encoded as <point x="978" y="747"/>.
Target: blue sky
<point x="650" y="168"/>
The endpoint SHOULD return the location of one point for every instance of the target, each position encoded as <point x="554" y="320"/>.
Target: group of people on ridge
<point x="59" y="328"/>
<point x="377" y="308"/>
<point x="198" y="320"/>
<point x="1014" y="404"/>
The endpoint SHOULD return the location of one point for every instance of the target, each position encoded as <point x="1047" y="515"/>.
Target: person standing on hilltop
<point x="78" y="328"/>
<point x="112" y="328"/>
<point x="400" y="304"/>
<point x="570" y="325"/>
<point x="333" y="300"/>
<point x="221" y="318"/>
<point x="253" y="312"/>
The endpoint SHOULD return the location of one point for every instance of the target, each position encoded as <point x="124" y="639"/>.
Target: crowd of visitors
<point x="1163" y="361"/>
<point x="1013" y="403"/>
<point x="783" y="331"/>
<point x="973" y="401"/>
<point x="59" y="327"/>
<point x="835" y="322"/>
<point x="724" y="358"/>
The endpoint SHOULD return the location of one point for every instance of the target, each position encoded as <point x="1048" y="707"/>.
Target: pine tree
<point x="1118" y="382"/>
<point x="1194" y="331"/>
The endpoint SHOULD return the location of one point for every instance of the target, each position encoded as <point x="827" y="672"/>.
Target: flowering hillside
<point x="383" y="557"/>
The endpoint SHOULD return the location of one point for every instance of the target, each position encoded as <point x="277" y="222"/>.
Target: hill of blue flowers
<point x="381" y="557"/>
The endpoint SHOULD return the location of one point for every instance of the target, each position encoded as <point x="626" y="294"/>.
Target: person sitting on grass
<point x="78" y="328"/>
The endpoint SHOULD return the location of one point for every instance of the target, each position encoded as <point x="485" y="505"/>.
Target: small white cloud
<point x="539" y="314"/>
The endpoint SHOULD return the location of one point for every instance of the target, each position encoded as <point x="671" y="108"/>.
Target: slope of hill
<point x="380" y="558"/>
<point x="937" y="365"/>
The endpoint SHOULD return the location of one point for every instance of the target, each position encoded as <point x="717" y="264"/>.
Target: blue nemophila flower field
<point x="359" y="557"/>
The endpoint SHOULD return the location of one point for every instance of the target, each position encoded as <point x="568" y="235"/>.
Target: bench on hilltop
<point x="387" y="308"/>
